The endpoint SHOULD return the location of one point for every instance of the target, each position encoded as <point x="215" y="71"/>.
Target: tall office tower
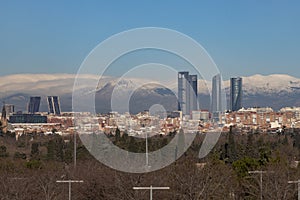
<point x="216" y="99"/>
<point x="3" y="120"/>
<point x="9" y="108"/>
<point x="183" y="92"/>
<point x="193" y="80"/>
<point x="34" y="104"/>
<point x="187" y="92"/>
<point x="54" y="105"/>
<point x="236" y="93"/>
<point x="216" y="105"/>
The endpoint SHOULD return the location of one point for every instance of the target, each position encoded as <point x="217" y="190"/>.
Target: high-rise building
<point x="193" y="80"/>
<point x="4" y="123"/>
<point x="54" y="105"/>
<point x="216" y="100"/>
<point x="187" y="92"/>
<point x="34" y="104"/>
<point x="236" y="93"/>
<point x="216" y="97"/>
<point x="9" y="108"/>
<point x="183" y="93"/>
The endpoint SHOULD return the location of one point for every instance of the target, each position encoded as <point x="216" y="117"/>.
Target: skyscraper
<point x="193" y="80"/>
<point x="9" y="108"/>
<point x="236" y="93"/>
<point x="187" y="92"/>
<point x="54" y="105"/>
<point x="34" y="104"/>
<point x="216" y="98"/>
<point x="3" y="128"/>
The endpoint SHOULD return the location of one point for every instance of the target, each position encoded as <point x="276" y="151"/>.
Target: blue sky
<point x="243" y="37"/>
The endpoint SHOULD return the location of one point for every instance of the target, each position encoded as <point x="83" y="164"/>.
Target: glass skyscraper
<point x="187" y="92"/>
<point x="54" y="105"/>
<point x="193" y="80"/>
<point x="236" y="93"/>
<point x="34" y="104"/>
<point x="216" y="97"/>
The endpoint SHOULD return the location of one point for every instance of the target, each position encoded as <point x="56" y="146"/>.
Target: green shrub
<point x="34" y="164"/>
<point x="20" y="155"/>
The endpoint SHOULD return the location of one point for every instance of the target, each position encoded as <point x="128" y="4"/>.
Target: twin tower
<point x="53" y="105"/>
<point x="188" y="94"/>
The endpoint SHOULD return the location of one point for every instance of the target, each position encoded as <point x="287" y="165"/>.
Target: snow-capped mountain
<point x="276" y="90"/>
<point x="272" y="84"/>
<point x="133" y="96"/>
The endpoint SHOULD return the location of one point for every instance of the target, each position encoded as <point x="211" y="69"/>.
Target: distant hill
<point x="275" y="90"/>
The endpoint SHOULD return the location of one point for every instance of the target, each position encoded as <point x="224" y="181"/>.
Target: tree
<point x="229" y="153"/>
<point x="118" y="135"/>
<point x="180" y="144"/>
<point x="250" y="149"/>
<point x="3" y="152"/>
<point x="55" y="149"/>
<point x="285" y="140"/>
<point x="35" y="150"/>
<point x="242" y="166"/>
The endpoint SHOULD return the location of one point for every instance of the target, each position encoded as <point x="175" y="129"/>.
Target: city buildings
<point x="54" y="105"/>
<point x="187" y="93"/>
<point x="27" y="118"/>
<point x="236" y="93"/>
<point x="34" y="105"/>
<point x="262" y="119"/>
<point x="202" y="115"/>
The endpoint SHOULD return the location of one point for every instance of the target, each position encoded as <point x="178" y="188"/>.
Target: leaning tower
<point x="3" y="120"/>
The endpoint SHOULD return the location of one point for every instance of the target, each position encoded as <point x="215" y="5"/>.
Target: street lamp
<point x="261" y="179"/>
<point x="151" y="189"/>
<point x="70" y="183"/>
<point x="75" y="150"/>
<point x="298" y="182"/>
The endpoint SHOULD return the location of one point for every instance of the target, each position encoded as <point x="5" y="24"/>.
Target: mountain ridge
<point x="275" y="90"/>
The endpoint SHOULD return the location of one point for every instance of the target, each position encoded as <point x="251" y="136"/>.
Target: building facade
<point x="54" y="105"/>
<point x="3" y="121"/>
<point x="9" y="108"/>
<point x="236" y="93"/>
<point x="27" y="118"/>
<point x="216" y="98"/>
<point x="34" y="105"/>
<point x="187" y="92"/>
<point x="193" y="80"/>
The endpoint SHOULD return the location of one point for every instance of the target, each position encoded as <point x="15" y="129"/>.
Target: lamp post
<point x="261" y="179"/>
<point x="75" y="150"/>
<point x="70" y="183"/>
<point x="151" y="189"/>
<point x="298" y="182"/>
<point x="147" y="155"/>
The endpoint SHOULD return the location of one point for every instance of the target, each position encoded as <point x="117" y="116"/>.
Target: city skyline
<point x="188" y="100"/>
<point x="267" y="88"/>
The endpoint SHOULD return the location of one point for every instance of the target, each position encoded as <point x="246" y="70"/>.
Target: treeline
<point x="30" y="167"/>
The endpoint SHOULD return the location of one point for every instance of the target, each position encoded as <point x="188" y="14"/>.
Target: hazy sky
<point x="243" y="37"/>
